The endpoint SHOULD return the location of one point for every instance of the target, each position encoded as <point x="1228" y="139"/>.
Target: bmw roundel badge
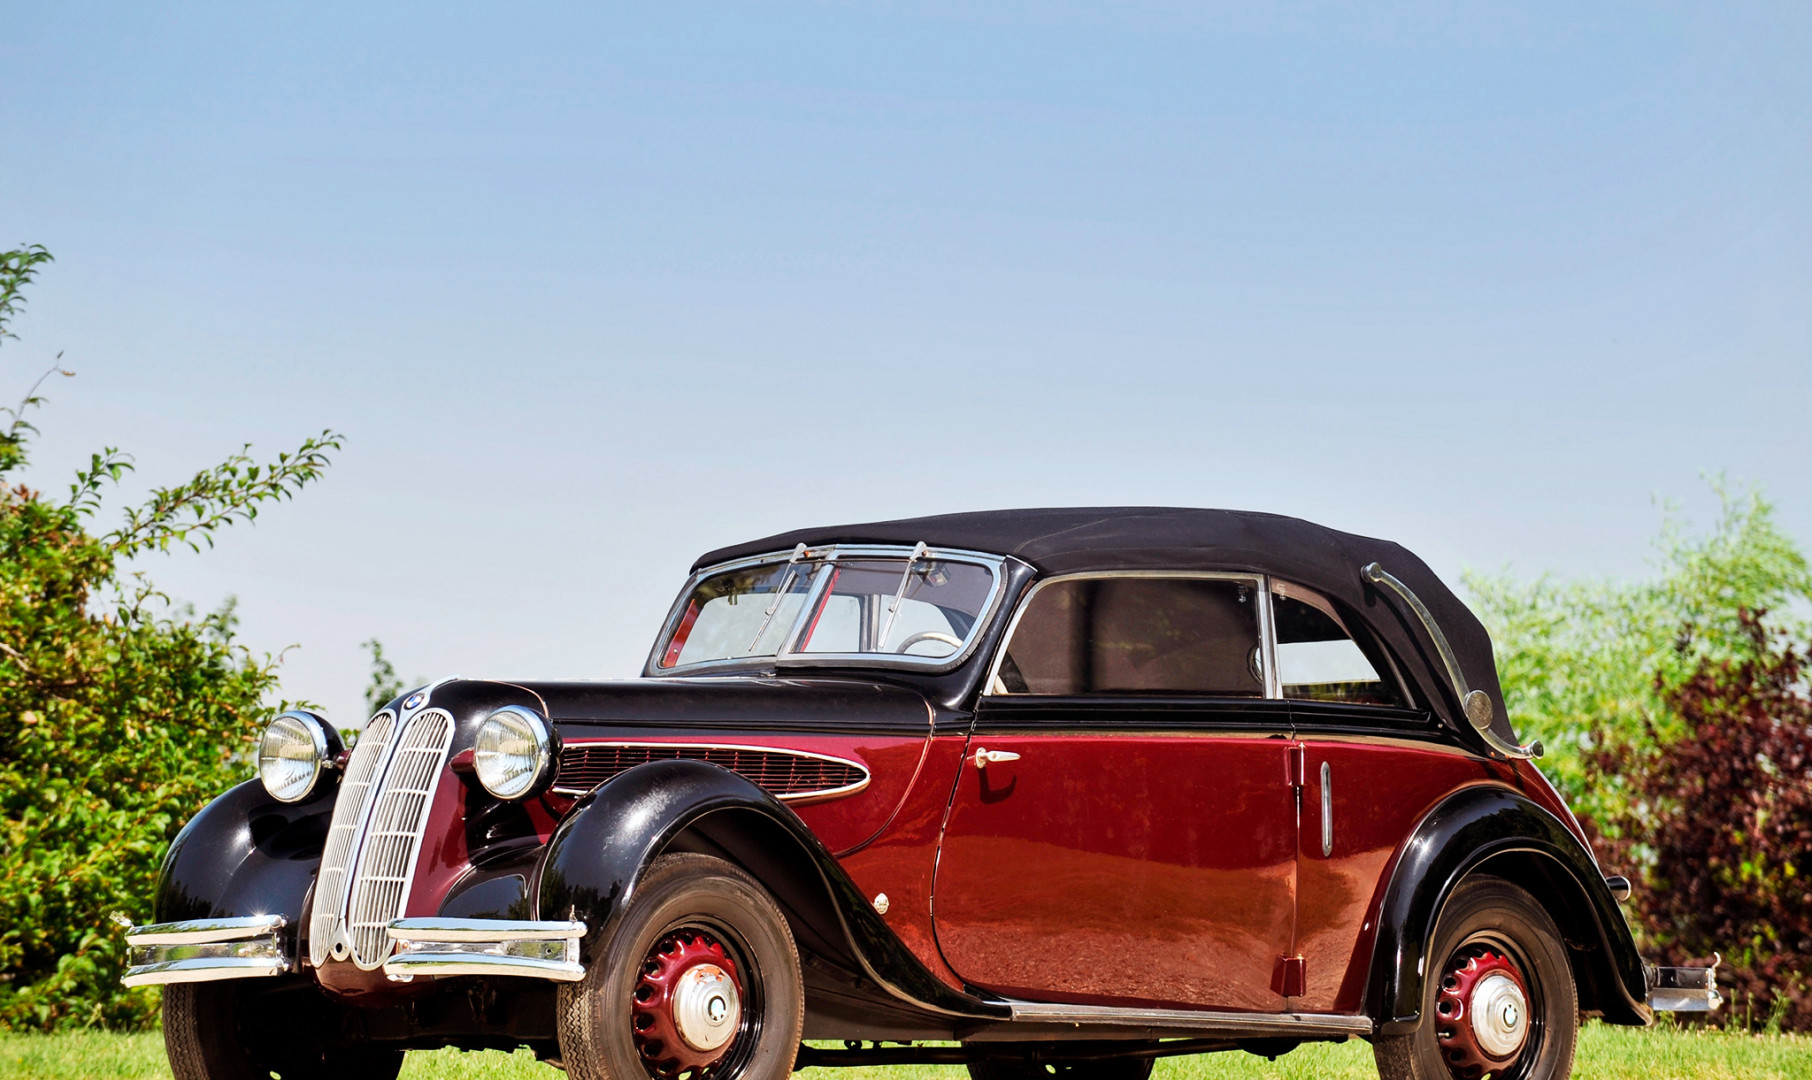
<point x="414" y="700"/>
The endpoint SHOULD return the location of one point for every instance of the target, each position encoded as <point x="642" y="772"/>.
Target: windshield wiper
<point x="792" y="574"/>
<point x="893" y="611"/>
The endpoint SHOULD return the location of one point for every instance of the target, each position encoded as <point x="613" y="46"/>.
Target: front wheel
<point x="1499" y="1001"/>
<point x="215" y="1031"/>
<point x="700" y="980"/>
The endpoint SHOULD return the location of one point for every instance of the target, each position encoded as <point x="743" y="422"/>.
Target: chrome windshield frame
<point x="823" y="556"/>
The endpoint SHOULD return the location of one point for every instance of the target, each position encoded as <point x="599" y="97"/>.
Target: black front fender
<point x="1527" y="844"/>
<point x="598" y="853"/>
<point x="245" y="854"/>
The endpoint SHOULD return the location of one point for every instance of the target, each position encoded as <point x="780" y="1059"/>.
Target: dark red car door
<point x="1128" y="835"/>
<point x="1129" y="854"/>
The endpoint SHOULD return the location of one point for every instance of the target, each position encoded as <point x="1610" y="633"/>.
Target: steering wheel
<point x="929" y="635"/>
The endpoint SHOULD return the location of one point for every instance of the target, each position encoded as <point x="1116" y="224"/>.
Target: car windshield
<point x="918" y="607"/>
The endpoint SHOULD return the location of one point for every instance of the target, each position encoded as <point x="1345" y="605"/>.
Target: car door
<point x="1123" y="827"/>
<point x="1373" y="765"/>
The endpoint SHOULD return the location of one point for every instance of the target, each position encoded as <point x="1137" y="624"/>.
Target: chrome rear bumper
<point x="540" y="950"/>
<point x="1680" y="989"/>
<point x="201" y="950"/>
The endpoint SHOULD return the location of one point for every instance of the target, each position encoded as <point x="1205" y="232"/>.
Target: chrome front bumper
<point x="541" y="950"/>
<point x="202" y="950"/>
<point x="1676" y="989"/>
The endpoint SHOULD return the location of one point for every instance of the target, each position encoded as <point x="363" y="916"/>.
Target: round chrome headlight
<point x="297" y="747"/>
<point x="514" y="753"/>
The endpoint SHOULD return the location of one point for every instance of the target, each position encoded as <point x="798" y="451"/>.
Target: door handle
<point x="982" y="757"/>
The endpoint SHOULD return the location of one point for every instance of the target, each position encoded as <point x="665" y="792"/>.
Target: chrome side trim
<point x="1327" y="810"/>
<point x="1475" y="704"/>
<point x="205" y="931"/>
<point x="1230" y="1023"/>
<point x="436" y="946"/>
<point x="795" y="797"/>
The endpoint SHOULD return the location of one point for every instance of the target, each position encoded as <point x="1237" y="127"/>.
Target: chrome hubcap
<point x="1499" y="1015"/>
<point x="706" y="1007"/>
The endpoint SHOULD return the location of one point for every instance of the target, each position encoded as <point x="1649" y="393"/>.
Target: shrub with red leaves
<point x="1719" y="825"/>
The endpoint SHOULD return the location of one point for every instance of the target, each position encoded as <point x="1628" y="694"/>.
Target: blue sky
<point x="593" y="289"/>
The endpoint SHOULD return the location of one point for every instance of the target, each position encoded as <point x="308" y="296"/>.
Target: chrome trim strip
<point x="405" y="966"/>
<point x="826" y="555"/>
<point x="1475" y="705"/>
<point x="1193" y="1020"/>
<point x="438" y="929"/>
<point x="1327" y="810"/>
<point x="824" y="794"/>
<point x="205" y="931"/>
<point x="1273" y="689"/>
<point x="204" y="969"/>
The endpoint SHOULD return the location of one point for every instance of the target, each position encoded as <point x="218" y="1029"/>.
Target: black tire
<point x="1129" y="1068"/>
<point x="681" y="893"/>
<point x="204" y="1025"/>
<point x="1490" y="912"/>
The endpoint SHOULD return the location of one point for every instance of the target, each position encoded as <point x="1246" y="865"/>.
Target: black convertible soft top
<point x="1067" y="540"/>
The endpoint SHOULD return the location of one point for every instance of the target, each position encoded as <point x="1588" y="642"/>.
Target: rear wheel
<point x="204" y="1036"/>
<point x="1500" y="1000"/>
<point x="700" y="980"/>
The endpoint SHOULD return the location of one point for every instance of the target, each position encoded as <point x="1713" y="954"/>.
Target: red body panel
<point x="1119" y="869"/>
<point x="844" y="823"/>
<point x="1381" y="789"/>
<point x="901" y="861"/>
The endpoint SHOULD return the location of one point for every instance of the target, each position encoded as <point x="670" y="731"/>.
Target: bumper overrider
<point x="1684" y="989"/>
<point x="202" y="950"/>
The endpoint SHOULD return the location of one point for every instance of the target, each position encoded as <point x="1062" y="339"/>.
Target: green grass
<point x="1605" y="1053"/>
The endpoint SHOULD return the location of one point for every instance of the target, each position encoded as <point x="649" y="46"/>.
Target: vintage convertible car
<point x="1033" y="791"/>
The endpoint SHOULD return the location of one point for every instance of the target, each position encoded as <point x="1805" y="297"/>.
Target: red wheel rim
<point x="686" y="1008"/>
<point x="1482" y="1013"/>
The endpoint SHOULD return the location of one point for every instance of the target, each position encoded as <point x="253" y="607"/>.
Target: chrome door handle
<point x="982" y="757"/>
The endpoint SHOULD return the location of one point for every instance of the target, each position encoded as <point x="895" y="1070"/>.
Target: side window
<point x="1137" y="635"/>
<point x="1326" y="654"/>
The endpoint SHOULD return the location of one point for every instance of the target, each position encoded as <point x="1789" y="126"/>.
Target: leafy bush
<point x="1586" y="663"/>
<point x="1723" y="813"/>
<point x="121" y="714"/>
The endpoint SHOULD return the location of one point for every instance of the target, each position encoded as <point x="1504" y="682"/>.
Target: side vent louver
<point x="789" y="775"/>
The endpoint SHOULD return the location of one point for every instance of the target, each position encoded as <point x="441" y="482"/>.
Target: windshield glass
<point x="913" y="606"/>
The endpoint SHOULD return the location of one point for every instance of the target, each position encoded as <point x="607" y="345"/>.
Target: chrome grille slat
<point x="393" y="834"/>
<point x="362" y="769"/>
<point x="786" y="774"/>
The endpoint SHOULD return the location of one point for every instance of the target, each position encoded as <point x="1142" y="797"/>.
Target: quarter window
<point x="1137" y="635"/>
<point x="1324" y="654"/>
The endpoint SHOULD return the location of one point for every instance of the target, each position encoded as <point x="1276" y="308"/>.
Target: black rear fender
<point x="614" y="832"/>
<point x="1496" y="830"/>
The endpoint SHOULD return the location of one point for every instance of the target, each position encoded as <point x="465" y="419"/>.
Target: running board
<point x="1232" y="1024"/>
